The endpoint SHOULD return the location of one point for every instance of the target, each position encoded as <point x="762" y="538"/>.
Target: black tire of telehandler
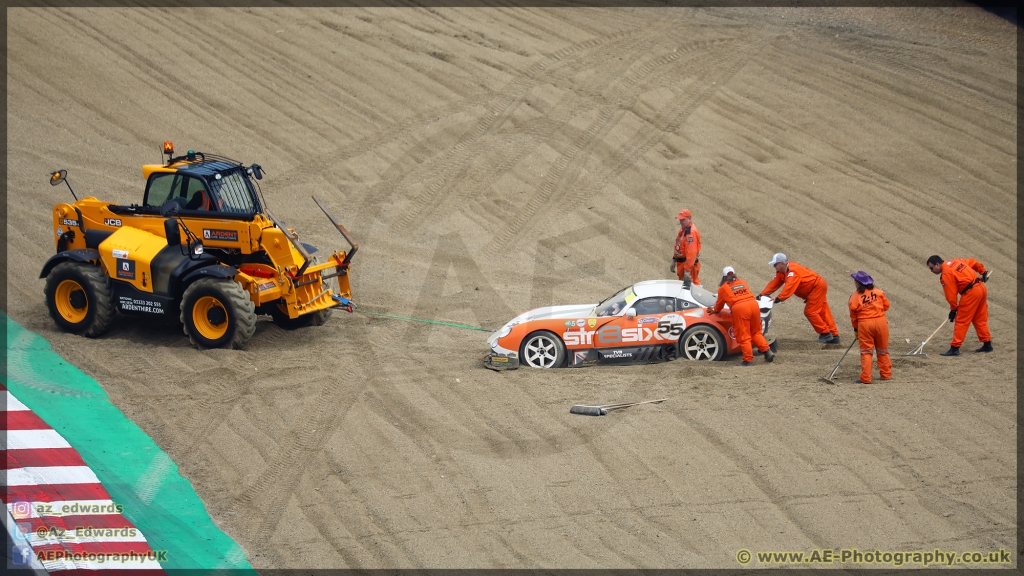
<point x="227" y="295"/>
<point x="98" y="293"/>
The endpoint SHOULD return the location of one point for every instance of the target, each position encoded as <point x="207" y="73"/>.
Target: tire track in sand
<point x="451" y="174"/>
<point x="495" y="114"/>
<point x="638" y="145"/>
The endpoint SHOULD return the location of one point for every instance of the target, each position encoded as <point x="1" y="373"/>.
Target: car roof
<point x="651" y="288"/>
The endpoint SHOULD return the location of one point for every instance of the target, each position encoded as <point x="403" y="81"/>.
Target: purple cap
<point x="862" y="277"/>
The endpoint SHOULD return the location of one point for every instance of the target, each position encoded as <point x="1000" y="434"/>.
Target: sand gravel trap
<point x="490" y="160"/>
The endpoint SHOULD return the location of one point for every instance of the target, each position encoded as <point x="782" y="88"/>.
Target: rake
<point x="602" y="410"/>
<point x="832" y="374"/>
<point x="919" y="351"/>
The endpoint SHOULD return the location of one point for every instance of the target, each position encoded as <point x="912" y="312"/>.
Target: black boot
<point x="953" y="351"/>
<point x="985" y="347"/>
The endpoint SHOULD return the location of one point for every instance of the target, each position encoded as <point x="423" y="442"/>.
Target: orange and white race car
<point x="651" y="321"/>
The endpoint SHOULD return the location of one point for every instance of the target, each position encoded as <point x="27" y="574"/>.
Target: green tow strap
<point x="452" y="324"/>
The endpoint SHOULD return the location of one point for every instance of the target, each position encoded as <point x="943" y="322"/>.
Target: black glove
<point x="854" y="330"/>
<point x="984" y="277"/>
<point x="777" y="300"/>
<point x="952" y="315"/>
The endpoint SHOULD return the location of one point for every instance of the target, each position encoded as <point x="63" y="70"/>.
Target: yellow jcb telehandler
<point x="203" y="243"/>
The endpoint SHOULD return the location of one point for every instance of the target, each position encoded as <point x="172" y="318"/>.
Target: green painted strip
<point x="452" y="324"/>
<point x="134" y="470"/>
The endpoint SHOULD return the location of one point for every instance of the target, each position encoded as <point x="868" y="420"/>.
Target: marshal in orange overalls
<point x="806" y="284"/>
<point x="867" y="313"/>
<point x="960" y="277"/>
<point x="746" y="316"/>
<point x="687" y="250"/>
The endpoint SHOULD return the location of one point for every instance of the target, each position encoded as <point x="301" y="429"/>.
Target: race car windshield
<point x="615" y="304"/>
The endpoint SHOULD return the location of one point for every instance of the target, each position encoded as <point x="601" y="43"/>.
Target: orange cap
<point x="684" y="213"/>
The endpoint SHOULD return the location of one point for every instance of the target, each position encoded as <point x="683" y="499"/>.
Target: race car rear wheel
<point x="702" y="342"/>
<point x="542" y="350"/>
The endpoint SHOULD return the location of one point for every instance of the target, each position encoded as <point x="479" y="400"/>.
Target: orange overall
<point x="867" y="314"/>
<point x="960" y="276"/>
<point x="806" y="284"/>
<point x="746" y="316"/>
<point x="687" y="252"/>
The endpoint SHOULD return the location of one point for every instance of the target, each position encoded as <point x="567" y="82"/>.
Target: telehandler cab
<point x="234" y="261"/>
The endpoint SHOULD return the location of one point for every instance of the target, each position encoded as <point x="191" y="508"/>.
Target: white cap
<point x="779" y="257"/>
<point x="728" y="270"/>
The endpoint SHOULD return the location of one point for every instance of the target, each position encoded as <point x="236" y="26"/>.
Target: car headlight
<point x="505" y="330"/>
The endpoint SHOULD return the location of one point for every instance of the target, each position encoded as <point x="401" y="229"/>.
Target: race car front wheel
<point x="702" y="343"/>
<point x="542" y="350"/>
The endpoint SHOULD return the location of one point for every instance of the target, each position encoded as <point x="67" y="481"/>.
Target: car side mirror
<point x="631" y="313"/>
<point x="172" y="232"/>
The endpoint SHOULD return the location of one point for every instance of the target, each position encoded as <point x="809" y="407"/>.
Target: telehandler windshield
<point x="232" y="193"/>
<point x="225" y="192"/>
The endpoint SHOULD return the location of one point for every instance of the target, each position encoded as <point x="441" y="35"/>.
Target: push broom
<point x="602" y="410"/>
<point x="832" y="374"/>
<point x="919" y="351"/>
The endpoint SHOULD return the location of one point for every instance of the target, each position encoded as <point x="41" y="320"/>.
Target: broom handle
<point x="836" y="369"/>
<point x="612" y="406"/>
<point x="934" y="333"/>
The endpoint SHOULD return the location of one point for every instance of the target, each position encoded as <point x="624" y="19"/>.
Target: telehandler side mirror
<point x="170" y="208"/>
<point x="61" y="176"/>
<point x="172" y="232"/>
